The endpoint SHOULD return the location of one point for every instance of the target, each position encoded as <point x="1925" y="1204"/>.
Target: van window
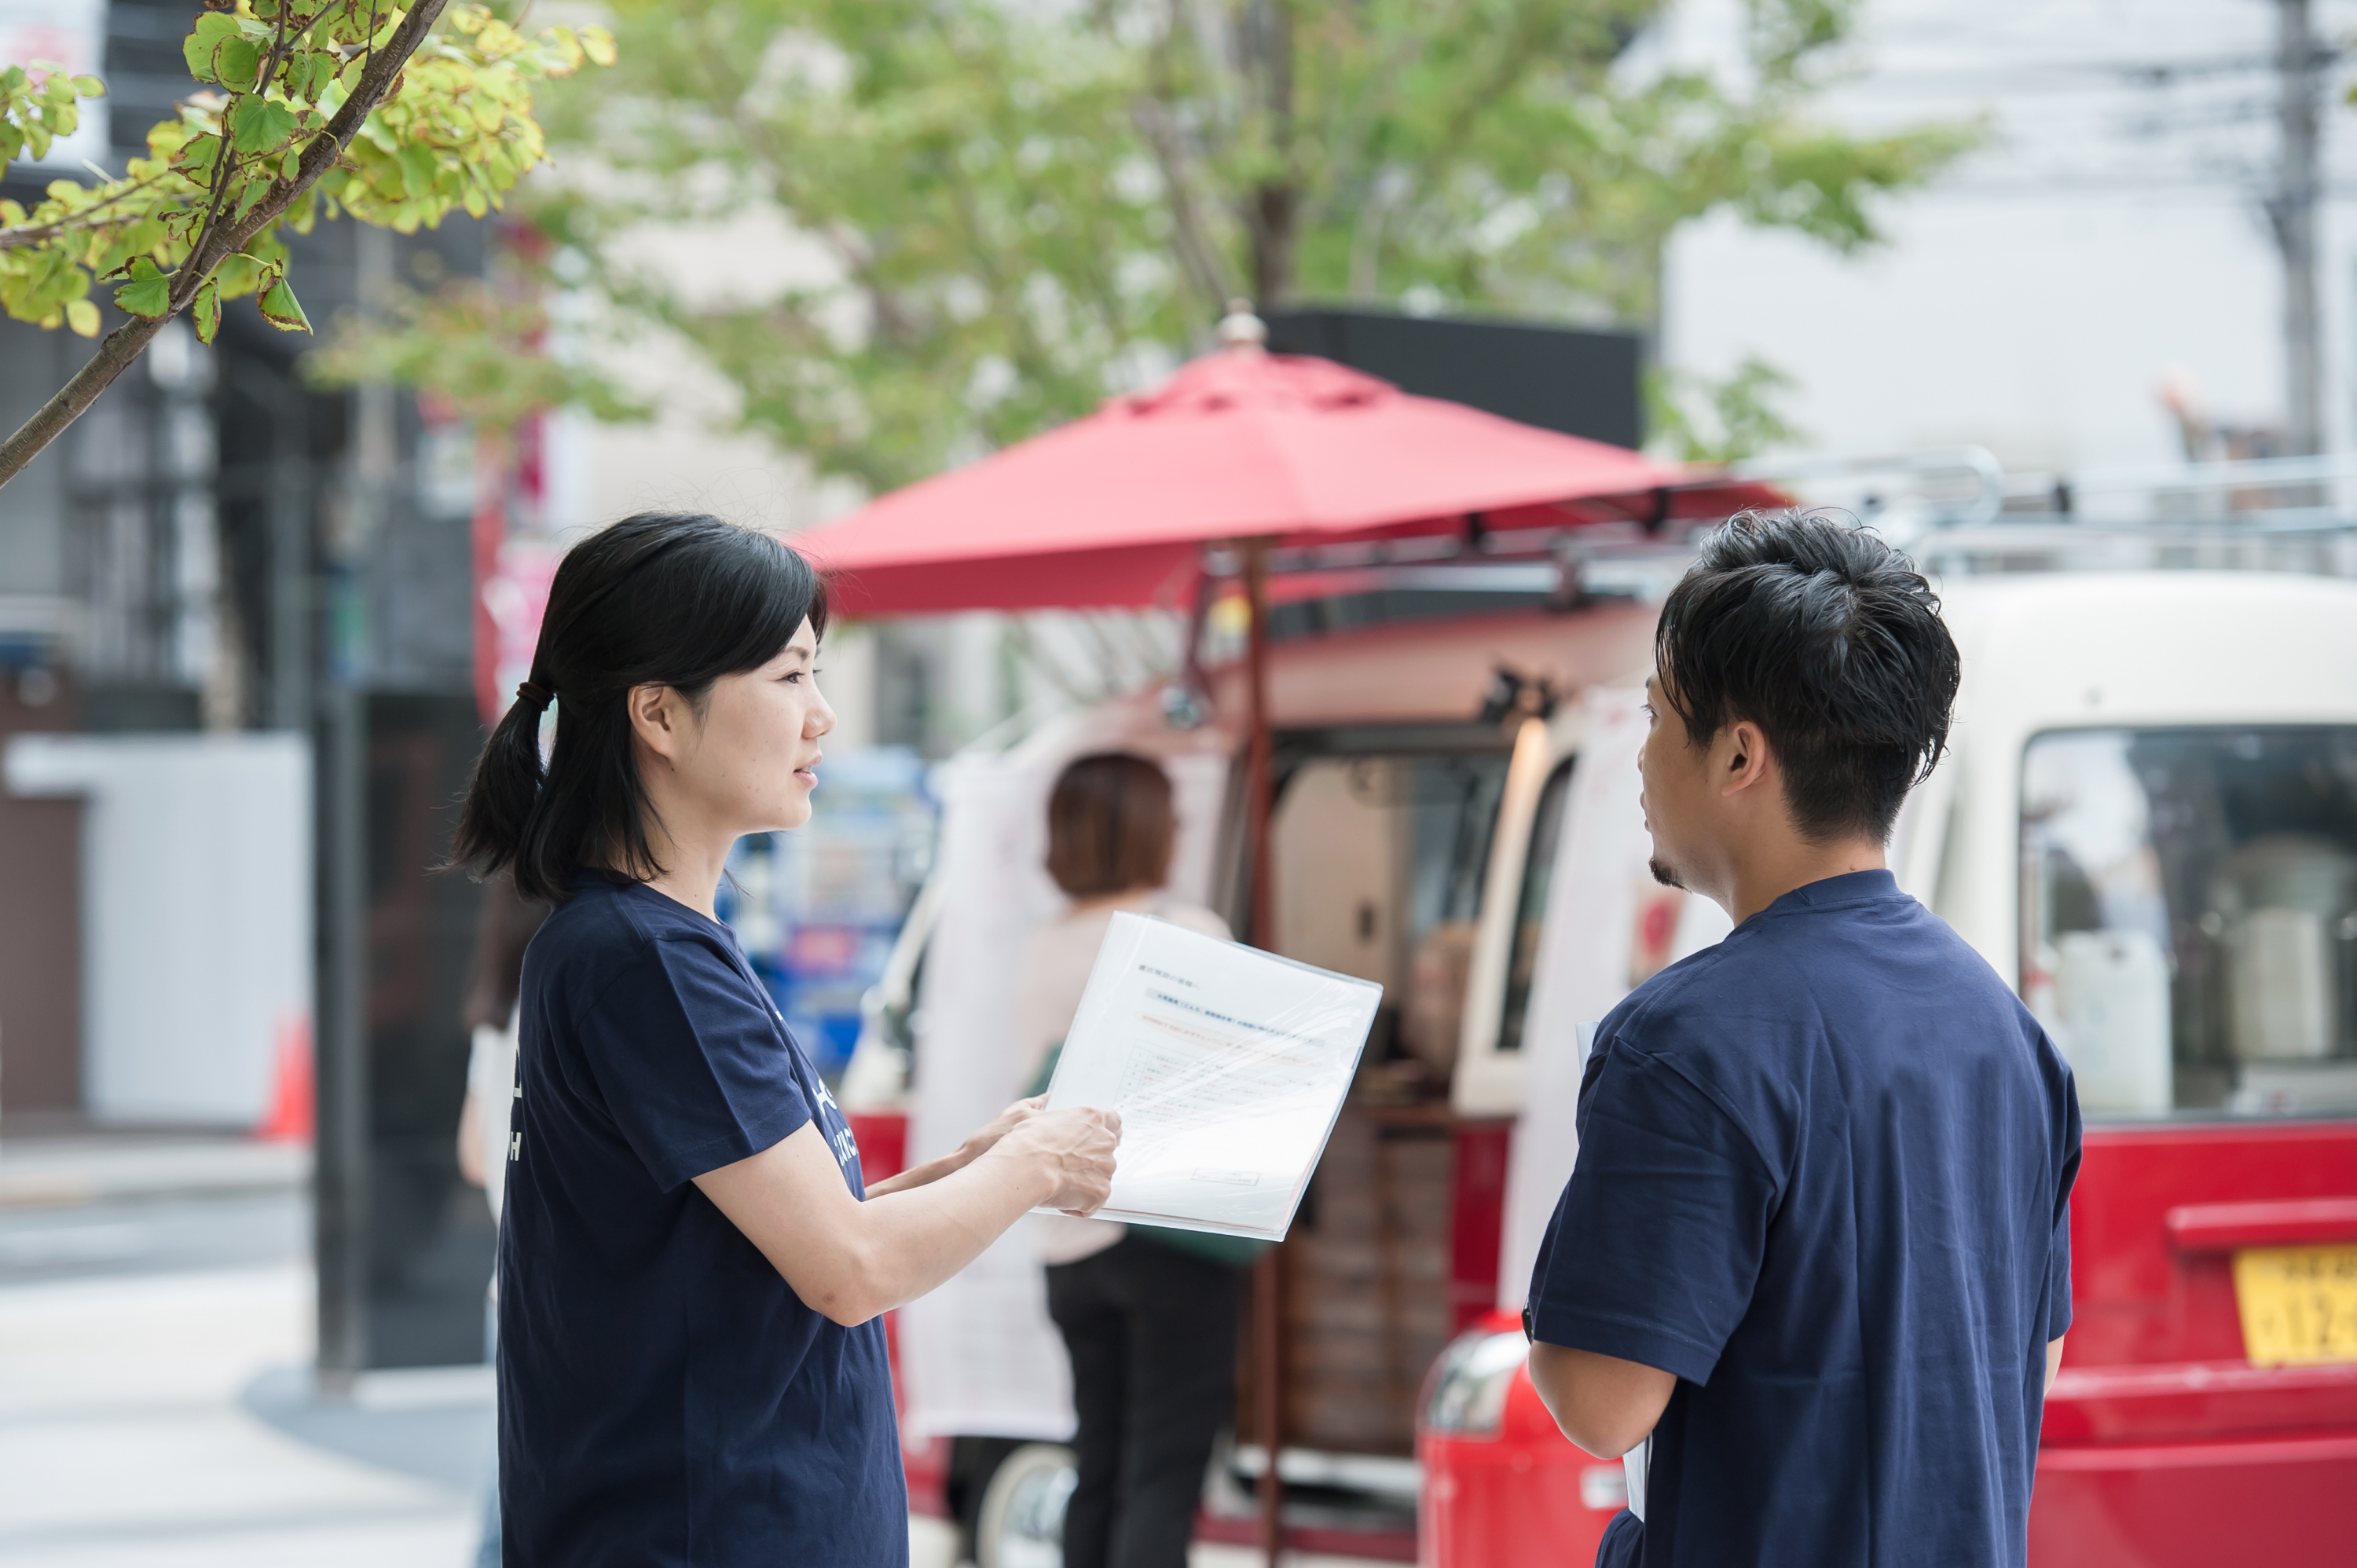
<point x="2189" y="921"/>
<point x="1530" y="904"/>
<point x="1379" y="866"/>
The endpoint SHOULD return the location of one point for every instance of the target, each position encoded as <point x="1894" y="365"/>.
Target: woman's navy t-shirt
<point x="665" y="1399"/>
<point x="1824" y="1174"/>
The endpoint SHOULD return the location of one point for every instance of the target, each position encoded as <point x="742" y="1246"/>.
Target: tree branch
<point x="1348" y="144"/>
<point x="217" y="243"/>
<point x="25" y="235"/>
<point x="1198" y="253"/>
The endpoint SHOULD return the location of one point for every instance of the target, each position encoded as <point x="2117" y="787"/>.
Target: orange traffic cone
<point x="293" y="1113"/>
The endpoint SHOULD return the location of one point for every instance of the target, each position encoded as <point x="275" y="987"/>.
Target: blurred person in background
<point x="501" y="932"/>
<point x="691" y="1271"/>
<point x="1149" y="1316"/>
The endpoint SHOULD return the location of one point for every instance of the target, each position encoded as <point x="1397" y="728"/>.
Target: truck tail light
<point x="1468" y="1384"/>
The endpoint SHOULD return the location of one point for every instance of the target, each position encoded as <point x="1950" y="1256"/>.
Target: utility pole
<point x="2292" y="213"/>
<point x="343" y="1202"/>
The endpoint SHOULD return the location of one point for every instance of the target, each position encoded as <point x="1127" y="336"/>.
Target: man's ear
<point x="1743" y="758"/>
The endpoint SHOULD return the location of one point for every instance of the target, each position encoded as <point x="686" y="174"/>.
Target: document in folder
<point x="1228" y="1066"/>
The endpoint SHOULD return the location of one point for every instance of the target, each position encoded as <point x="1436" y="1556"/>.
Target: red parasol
<point x="1114" y="508"/>
<point x="1262" y="452"/>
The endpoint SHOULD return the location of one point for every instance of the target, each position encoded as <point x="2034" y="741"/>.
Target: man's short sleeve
<point x="1654" y="1248"/>
<point x="690" y="1064"/>
<point x="2058" y="1267"/>
<point x="2057" y="1279"/>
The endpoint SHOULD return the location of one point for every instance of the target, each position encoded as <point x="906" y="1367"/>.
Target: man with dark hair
<point x="1812" y="1265"/>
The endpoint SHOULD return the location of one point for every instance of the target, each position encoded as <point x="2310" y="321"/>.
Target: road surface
<point x="156" y="1404"/>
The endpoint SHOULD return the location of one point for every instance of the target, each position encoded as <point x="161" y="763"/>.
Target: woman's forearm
<point x="918" y="1237"/>
<point x="925" y="1175"/>
<point x="985" y="1138"/>
<point x="852" y="1260"/>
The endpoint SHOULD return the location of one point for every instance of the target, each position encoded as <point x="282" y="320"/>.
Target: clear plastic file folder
<point x="1228" y="1066"/>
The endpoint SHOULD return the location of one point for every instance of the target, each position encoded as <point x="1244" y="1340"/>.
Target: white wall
<point x="71" y="33"/>
<point x="2031" y="300"/>
<point x="686" y="456"/>
<point x="196" y="913"/>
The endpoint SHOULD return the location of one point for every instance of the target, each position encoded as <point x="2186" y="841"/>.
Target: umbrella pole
<point x="1258" y="745"/>
<point x="1268" y="1297"/>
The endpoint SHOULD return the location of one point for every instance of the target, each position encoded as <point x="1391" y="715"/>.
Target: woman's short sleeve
<point x="692" y="1065"/>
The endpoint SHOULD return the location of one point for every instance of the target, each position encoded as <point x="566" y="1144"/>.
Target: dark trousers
<point x="1152" y="1333"/>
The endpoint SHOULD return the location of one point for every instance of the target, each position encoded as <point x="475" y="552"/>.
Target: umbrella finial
<point x="1240" y="328"/>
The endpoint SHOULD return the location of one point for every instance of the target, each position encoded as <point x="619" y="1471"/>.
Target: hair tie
<point x="534" y="696"/>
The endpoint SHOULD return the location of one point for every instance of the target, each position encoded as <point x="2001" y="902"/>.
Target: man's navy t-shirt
<point x="665" y="1399"/>
<point x="1823" y="1177"/>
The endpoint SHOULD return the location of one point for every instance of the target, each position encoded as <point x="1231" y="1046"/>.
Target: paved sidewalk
<point x="50" y="1173"/>
<point x="135" y="1428"/>
<point x="168" y="1419"/>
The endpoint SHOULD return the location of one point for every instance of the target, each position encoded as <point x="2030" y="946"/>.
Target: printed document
<point x="1228" y="1066"/>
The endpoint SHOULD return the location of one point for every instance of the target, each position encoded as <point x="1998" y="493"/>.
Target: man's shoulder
<point x="1775" y="965"/>
<point x="1747" y="1015"/>
<point x="1744" y="1006"/>
<point x="1740" y="971"/>
<point x="1697" y="1021"/>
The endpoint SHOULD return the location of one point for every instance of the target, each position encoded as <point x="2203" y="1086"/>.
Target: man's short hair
<point x="1827" y="638"/>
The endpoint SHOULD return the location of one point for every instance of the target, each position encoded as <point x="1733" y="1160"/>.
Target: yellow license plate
<point x="2299" y="1304"/>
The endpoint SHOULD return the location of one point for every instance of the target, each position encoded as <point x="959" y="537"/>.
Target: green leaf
<point x="280" y="310"/>
<point x="259" y="126"/>
<point x="237" y="63"/>
<point x="237" y="276"/>
<point x="149" y="292"/>
<point x="89" y="87"/>
<point x="199" y="49"/>
<point x="197" y="155"/>
<point x="145" y="235"/>
<point x="418" y="167"/>
<point x="83" y="317"/>
<point x="308" y="73"/>
<point x="206" y="310"/>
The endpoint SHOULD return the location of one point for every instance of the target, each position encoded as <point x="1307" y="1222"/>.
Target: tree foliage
<point x="1021" y="208"/>
<point x="1696" y="420"/>
<point x="308" y="109"/>
<point x="457" y="132"/>
<point x="478" y="349"/>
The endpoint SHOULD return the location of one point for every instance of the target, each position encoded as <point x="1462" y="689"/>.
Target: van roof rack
<point x="1958" y="510"/>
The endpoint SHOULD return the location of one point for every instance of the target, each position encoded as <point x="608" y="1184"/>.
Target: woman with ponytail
<point x="692" y="1367"/>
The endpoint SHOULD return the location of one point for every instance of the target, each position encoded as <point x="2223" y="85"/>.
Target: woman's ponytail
<point x="662" y="598"/>
<point x="502" y="793"/>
